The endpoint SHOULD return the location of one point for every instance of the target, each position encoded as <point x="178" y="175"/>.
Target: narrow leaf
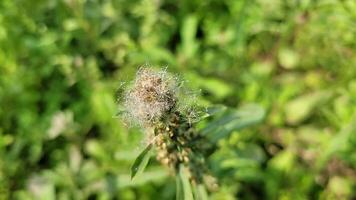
<point x="151" y="175"/>
<point x="141" y="161"/>
<point x="179" y="189"/>
<point x="232" y="120"/>
<point x="187" y="190"/>
<point x="212" y="110"/>
<point x="201" y="193"/>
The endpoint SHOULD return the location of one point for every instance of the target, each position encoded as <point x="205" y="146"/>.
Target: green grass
<point x="62" y="61"/>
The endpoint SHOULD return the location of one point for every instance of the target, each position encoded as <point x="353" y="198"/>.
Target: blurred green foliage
<point x="62" y="61"/>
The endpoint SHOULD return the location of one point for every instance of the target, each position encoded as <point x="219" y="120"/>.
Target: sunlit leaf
<point x="141" y="161"/>
<point x="188" y="32"/>
<point x="288" y="58"/>
<point x="302" y="107"/>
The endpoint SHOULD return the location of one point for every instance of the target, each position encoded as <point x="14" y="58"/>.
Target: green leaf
<point x="179" y="189"/>
<point x="141" y="161"/>
<point x="339" y="143"/>
<point x="200" y="192"/>
<point x="231" y="120"/>
<point x="44" y="188"/>
<point x="217" y="87"/>
<point x="187" y="188"/>
<point x="288" y="58"/>
<point x="189" y="43"/>
<point x="302" y="107"/>
<point x="150" y="176"/>
<point x="212" y="110"/>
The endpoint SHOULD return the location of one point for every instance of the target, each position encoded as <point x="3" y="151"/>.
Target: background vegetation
<point x="61" y="63"/>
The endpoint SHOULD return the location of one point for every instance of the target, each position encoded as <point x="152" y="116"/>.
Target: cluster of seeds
<point x="177" y="142"/>
<point x="152" y="102"/>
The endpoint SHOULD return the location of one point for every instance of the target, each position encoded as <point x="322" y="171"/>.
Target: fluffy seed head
<point x="151" y="96"/>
